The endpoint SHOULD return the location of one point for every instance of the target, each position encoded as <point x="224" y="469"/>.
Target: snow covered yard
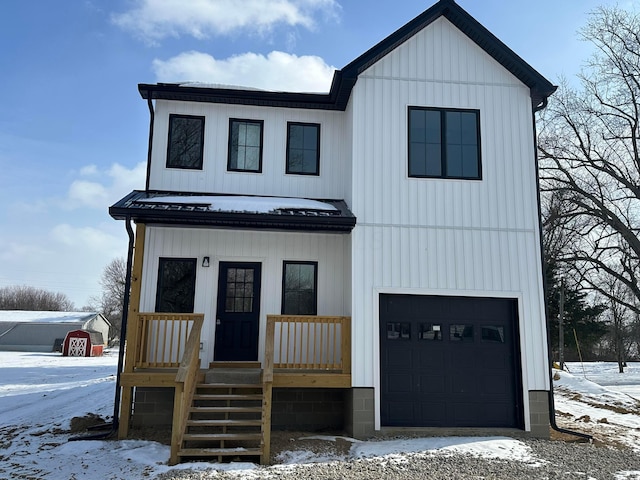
<point x="40" y="394"/>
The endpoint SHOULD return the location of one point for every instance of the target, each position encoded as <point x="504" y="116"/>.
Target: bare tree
<point x="30" y="298"/>
<point x="590" y="158"/>
<point x="110" y="302"/>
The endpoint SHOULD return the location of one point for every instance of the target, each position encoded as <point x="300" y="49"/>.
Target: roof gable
<point x="345" y="79"/>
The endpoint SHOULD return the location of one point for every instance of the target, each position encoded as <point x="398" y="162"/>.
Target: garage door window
<point x="398" y="331"/>
<point x="493" y="334"/>
<point x="461" y="333"/>
<point x="430" y="331"/>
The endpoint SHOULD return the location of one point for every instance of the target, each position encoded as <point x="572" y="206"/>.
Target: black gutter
<point x="113" y="426"/>
<point x="545" y="288"/>
<point x="152" y="116"/>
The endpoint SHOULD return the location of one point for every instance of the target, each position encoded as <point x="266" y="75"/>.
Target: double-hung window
<point x="444" y="143"/>
<point x="245" y="145"/>
<point x="186" y="142"/>
<point x="303" y="148"/>
<point x="299" y="291"/>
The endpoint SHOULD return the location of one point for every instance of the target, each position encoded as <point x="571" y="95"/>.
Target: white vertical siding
<point x="332" y="252"/>
<point x="332" y="183"/>
<point x="446" y="237"/>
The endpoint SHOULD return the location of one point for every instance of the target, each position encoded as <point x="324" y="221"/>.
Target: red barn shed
<point x="82" y="343"/>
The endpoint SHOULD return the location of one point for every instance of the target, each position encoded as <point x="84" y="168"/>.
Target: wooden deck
<point x="300" y="351"/>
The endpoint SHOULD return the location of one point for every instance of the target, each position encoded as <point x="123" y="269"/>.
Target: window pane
<point x="253" y="135"/>
<point x="398" y="331"/>
<point x="454" y="161"/>
<point x="470" y="162"/>
<point x="417" y="125"/>
<point x="310" y="137"/>
<point x="433" y="160"/>
<point x="492" y="334"/>
<point x="429" y="331"/>
<point x="453" y="128"/>
<point x="468" y="128"/>
<point x="432" y="127"/>
<point x="461" y="333"/>
<point x="176" y="285"/>
<point x="417" y="159"/>
<point x="185" y="146"/>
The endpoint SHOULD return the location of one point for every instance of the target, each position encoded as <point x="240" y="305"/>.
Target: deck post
<point x="132" y="332"/>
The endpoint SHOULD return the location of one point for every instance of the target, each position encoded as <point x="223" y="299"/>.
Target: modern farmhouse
<point x="358" y="260"/>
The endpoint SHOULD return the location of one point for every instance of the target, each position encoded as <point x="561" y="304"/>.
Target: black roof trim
<point x="345" y="79"/>
<point x="179" y="214"/>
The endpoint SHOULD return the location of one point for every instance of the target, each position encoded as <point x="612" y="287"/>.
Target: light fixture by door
<point x="205" y="261"/>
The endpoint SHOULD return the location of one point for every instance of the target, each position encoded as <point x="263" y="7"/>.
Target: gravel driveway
<point x="550" y="460"/>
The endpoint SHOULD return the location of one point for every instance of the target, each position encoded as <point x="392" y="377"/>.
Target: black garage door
<point x="449" y="362"/>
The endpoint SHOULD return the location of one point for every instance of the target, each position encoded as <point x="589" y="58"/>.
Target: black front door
<point x="238" y="312"/>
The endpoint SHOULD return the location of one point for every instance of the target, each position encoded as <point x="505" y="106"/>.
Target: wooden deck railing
<point x="311" y="343"/>
<point x="185" y="385"/>
<point x="162" y="338"/>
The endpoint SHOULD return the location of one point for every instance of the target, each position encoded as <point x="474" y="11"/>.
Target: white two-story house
<point x="375" y="249"/>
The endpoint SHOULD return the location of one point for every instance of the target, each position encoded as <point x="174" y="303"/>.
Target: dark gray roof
<point x="148" y="207"/>
<point x="345" y="79"/>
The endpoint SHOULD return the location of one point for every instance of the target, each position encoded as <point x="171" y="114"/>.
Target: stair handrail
<point x="267" y="387"/>
<point x="185" y="385"/>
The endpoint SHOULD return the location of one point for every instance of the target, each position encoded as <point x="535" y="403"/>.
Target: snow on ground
<point x="609" y="409"/>
<point x="41" y="392"/>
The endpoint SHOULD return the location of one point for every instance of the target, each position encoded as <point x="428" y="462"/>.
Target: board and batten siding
<point x="332" y="252"/>
<point x="439" y="236"/>
<point x="332" y="182"/>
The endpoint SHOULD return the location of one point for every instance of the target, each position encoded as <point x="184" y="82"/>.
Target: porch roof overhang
<point x="255" y="212"/>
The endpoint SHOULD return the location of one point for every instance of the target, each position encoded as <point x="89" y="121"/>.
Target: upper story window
<point x="186" y="142"/>
<point x="303" y="148"/>
<point x="444" y="143"/>
<point x="245" y="145"/>
<point x="299" y="292"/>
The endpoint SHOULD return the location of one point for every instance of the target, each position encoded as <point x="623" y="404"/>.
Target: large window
<point x="299" y="292"/>
<point x="176" y="285"/>
<point x="186" y="142"/>
<point x="245" y="145"/>
<point x="444" y="143"/>
<point x="303" y="148"/>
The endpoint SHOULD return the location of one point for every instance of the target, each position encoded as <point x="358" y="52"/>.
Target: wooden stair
<point x="229" y="420"/>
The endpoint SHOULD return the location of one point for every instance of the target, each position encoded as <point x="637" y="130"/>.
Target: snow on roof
<point x="23" y="316"/>
<point x="231" y="203"/>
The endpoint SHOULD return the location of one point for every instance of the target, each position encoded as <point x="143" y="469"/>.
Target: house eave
<point x="159" y="214"/>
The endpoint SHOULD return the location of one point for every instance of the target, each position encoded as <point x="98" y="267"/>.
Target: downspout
<point x="552" y="406"/>
<point x="151" y="121"/>
<point x="113" y="426"/>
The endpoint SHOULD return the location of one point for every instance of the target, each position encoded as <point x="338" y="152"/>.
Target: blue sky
<point x="73" y="128"/>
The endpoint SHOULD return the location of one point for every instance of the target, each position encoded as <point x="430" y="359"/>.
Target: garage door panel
<point x="450" y="361"/>
<point x="400" y="383"/>
<point x="432" y="384"/>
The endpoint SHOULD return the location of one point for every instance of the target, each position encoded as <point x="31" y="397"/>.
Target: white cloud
<point x="277" y="71"/>
<point x="117" y="182"/>
<point x="86" y="238"/>
<point x="154" y="20"/>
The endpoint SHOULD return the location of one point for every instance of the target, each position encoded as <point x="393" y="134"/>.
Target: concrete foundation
<point x="308" y="409"/>
<point x="360" y="413"/>
<point x="152" y="407"/>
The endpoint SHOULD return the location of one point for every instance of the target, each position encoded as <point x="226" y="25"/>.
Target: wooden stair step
<point x="227" y="396"/>
<point x="226" y="386"/>
<point x="224" y="423"/>
<point x="214" y="365"/>
<point x="219" y="452"/>
<point x="222" y="436"/>
<point x="226" y="409"/>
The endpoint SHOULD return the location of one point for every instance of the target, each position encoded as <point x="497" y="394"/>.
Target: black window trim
<point x="195" y="117"/>
<point x="315" y="283"/>
<point x="443" y="153"/>
<point x="245" y="120"/>
<point x="304" y="124"/>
